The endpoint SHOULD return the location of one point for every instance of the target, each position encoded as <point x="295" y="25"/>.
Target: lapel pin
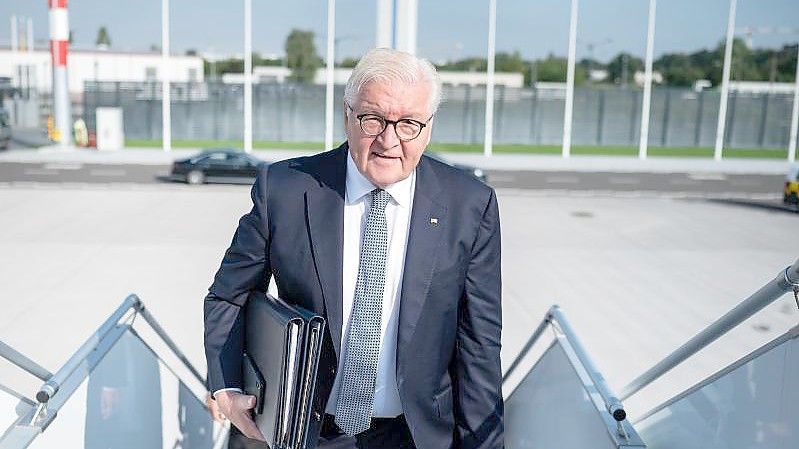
<point x="434" y="221"/>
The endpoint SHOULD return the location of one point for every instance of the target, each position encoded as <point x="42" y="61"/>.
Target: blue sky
<point x="447" y="29"/>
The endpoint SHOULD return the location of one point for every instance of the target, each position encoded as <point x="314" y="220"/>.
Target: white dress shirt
<point x="398" y="218"/>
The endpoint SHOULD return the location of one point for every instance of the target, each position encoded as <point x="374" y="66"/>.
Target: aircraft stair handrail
<point x="555" y="316"/>
<point x="786" y="281"/>
<point x="20" y="360"/>
<point x="132" y="302"/>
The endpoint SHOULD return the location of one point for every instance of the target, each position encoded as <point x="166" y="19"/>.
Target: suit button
<point x="317" y="416"/>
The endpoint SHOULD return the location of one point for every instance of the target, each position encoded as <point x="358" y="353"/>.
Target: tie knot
<point x="380" y="199"/>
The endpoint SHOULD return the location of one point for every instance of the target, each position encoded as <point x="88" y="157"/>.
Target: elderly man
<point x="401" y="254"/>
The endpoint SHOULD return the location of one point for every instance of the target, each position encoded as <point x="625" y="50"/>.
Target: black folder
<point x="282" y="348"/>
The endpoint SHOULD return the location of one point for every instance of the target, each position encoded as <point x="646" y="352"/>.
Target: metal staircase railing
<point x="786" y="281"/>
<point x="609" y="418"/>
<point x="59" y="387"/>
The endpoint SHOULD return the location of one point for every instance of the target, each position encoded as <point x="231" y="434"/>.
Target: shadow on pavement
<point x="774" y="206"/>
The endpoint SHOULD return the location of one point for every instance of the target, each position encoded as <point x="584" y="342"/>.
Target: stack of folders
<point x="282" y="348"/>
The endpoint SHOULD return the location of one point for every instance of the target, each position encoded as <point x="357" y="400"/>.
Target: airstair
<point x="129" y="386"/>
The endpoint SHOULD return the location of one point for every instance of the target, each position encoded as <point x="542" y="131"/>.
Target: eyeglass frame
<point x="387" y="122"/>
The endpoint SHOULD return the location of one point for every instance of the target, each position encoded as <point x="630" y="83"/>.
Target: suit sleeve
<point x="478" y="374"/>
<point x="244" y="268"/>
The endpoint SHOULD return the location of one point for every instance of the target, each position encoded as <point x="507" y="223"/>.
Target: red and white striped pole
<point x="59" y="46"/>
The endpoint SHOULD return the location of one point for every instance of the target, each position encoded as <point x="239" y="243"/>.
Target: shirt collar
<point x="358" y="186"/>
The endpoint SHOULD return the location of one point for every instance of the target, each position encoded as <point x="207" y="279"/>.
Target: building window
<point x="192" y="75"/>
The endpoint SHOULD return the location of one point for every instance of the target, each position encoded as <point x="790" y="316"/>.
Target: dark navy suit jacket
<point x="448" y="365"/>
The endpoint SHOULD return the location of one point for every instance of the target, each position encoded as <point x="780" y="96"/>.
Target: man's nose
<point x="389" y="138"/>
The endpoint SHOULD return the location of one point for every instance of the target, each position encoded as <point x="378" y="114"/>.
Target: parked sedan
<point x="222" y="165"/>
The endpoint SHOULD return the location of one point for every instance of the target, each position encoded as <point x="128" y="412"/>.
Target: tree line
<point x="677" y="69"/>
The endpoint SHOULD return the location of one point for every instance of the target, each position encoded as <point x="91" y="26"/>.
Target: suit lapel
<point x="324" y="208"/>
<point x="428" y="224"/>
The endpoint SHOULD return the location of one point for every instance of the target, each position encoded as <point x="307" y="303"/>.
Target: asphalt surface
<point x="724" y="185"/>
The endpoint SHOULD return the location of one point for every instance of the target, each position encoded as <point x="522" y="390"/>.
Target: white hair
<point x="387" y="66"/>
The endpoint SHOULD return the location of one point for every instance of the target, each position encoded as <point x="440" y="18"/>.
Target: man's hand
<point x="237" y="408"/>
<point x="213" y="407"/>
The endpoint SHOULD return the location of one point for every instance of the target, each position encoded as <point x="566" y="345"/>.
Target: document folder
<point x="282" y="348"/>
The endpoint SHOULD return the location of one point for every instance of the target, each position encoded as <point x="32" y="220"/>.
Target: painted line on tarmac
<point x="745" y="182"/>
<point x="62" y="166"/>
<point x="150" y="187"/>
<point x="39" y="172"/>
<point x="707" y="176"/>
<point x="636" y="194"/>
<point x="562" y="179"/>
<point x="684" y="182"/>
<point x="107" y="172"/>
<point x="501" y="178"/>
<point x="623" y="181"/>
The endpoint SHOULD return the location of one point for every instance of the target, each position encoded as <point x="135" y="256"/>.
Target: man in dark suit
<point x="401" y="254"/>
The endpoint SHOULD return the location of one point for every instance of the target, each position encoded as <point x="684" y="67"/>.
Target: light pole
<point x="489" y="119"/>
<point x="567" y="115"/>
<point x="725" y="83"/>
<point x="794" y="114"/>
<point x="166" y="100"/>
<point x="330" y="73"/>
<point x="650" y="43"/>
<point x="247" y="76"/>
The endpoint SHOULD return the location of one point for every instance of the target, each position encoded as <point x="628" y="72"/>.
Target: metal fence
<point x="527" y="116"/>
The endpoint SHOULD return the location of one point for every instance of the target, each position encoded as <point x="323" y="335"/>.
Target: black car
<point x="474" y="171"/>
<point x="224" y="165"/>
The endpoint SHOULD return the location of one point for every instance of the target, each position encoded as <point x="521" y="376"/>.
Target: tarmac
<point x="500" y="162"/>
<point x="637" y="277"/>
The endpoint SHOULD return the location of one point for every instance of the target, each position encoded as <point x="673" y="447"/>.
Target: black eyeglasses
<point x="373" y="125"/>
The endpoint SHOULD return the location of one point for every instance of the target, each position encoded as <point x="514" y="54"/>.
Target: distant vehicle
<point x="5" y="129"/>
<point x="791" y="193"/>
<point x="474" y="171"/>
<point x="218" y="165"/>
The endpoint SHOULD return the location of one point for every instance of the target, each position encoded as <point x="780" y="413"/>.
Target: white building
<point x="277" y="74"/>
<point x="34" y="69"/>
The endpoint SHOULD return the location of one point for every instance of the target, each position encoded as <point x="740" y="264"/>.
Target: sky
<point x="447" y="29"/>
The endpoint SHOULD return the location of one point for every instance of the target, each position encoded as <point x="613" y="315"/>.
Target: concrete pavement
<point x="637" y="277"/>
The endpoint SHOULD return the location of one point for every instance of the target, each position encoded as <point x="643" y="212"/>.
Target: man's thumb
<point x="250" y="402"/>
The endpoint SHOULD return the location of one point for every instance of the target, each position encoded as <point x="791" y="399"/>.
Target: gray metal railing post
<point x="169" y="342"/>
<point x="56" y="380"/>
<point x="612" y="403"/>
<point x="785" y="281"/>
<point x="17" y="358"/>
<point x="530" y="342"/>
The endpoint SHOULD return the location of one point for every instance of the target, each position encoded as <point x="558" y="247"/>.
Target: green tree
<point x="622" y="68"/>
<point x="349" y="62"/>
<point x="103" y="38"/>
<point x="301" y="56"/>
<point x="509" y="62"/>
<point x="553" y="69"/>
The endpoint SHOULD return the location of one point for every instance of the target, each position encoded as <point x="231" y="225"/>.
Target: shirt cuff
<point x="237" y="390"/>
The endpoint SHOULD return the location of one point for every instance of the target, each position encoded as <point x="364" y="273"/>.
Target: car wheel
<point x="195" y="177"/>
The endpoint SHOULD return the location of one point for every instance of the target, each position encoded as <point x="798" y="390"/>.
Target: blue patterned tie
<point x="362" y="350"/>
